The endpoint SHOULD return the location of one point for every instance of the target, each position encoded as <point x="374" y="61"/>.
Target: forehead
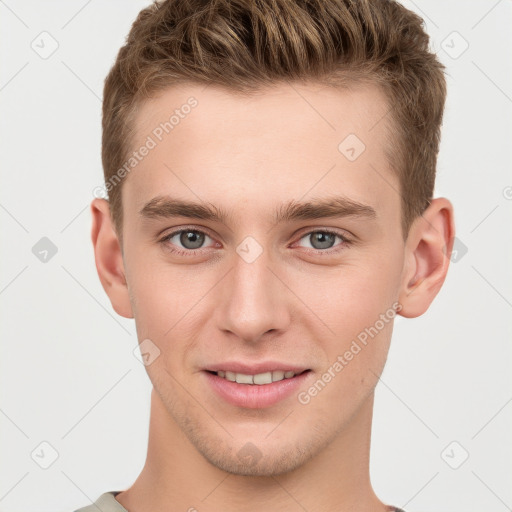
<point x="280" y="143"/>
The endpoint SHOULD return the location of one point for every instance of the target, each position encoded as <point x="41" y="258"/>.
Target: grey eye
<point x="192" y="239"/>
<point x="321" y="239"/>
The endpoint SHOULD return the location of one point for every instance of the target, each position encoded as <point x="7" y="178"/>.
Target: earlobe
<point x="428" y="250"/>
<point x="109" y="259"/>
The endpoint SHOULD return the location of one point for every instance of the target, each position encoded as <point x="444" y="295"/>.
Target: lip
<point x="254" y="396"/>
<point x="255" y="368"/>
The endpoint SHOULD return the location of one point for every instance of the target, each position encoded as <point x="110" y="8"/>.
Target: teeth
<point x="244" y="379"/>
<point x="259" y="379"/>
<point x="278" y="375"/>
<point x="262" y="378"/>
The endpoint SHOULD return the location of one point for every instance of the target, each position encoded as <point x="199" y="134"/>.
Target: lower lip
<point x="254" y="396"/>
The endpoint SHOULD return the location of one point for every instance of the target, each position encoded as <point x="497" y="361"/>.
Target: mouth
<point x="256" y="390"/>
<point x="258" y="379"/>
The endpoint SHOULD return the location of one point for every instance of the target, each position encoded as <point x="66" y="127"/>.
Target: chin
<point x="250" y="461"/>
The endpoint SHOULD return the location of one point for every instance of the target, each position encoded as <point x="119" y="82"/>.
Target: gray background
<point x="68" y="373"/>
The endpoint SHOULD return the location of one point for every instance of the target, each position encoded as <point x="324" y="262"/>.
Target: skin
<point x="294" y="303"/>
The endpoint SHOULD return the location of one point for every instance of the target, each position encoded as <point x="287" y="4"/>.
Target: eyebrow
<point x="330" y="207"/>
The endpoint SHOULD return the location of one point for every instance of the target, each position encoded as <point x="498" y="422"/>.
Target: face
<point x="258" y="280"/>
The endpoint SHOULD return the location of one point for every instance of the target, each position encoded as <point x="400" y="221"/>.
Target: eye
<point x="323" y="239"/>
<point x="188" y="242"/>
<point x="185" y="240"/>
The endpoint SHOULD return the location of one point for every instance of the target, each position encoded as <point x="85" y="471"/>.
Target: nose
<point x="254" y="301"/>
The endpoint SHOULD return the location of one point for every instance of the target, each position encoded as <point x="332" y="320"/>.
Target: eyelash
<point x="193" y="252"/>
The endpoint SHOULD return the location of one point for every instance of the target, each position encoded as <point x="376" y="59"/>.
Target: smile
<point x="258" y="379"/>
<point x="259" y="390"/>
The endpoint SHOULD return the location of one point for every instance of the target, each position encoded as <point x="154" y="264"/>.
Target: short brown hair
<point x="244" y="45"/>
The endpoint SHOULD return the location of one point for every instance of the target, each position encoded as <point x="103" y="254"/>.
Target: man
<point x="270" y="168"/>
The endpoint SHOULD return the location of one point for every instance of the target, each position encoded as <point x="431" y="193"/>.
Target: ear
<point x="109" y="258"/>
<point x="427" y="257"/>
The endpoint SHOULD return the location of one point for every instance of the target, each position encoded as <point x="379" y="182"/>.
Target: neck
<point x="177" y="477"/>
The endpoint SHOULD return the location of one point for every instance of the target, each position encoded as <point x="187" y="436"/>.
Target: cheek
<point x="168" y="304"/>
<point x="351" y="297"/>
<point x="156" y="296"/>
<point x="360" y="320"/>
<point x="355" y="306"/>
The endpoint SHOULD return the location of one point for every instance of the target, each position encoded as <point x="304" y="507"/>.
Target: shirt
<point x="108" y="503"/>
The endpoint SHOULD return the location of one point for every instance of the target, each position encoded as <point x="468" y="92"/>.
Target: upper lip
<point x="255" y="368"/>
